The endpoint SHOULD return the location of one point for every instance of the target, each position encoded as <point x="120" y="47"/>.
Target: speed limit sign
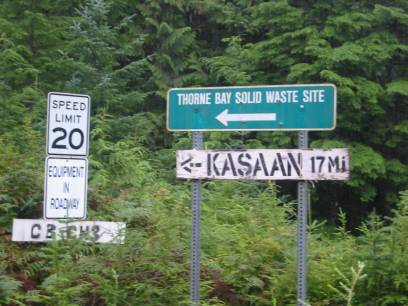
<point x="68" y="124"/>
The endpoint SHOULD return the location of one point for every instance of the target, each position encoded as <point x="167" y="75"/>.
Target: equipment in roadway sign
<point x="277" y="107"/>
<point x="65" y="190"/>
<point x="294" y="164"/>
<point x="31" y="230"/>
<point x="68" y="124"/>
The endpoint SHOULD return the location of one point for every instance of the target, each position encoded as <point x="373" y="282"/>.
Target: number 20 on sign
<point x="68" y="124"/>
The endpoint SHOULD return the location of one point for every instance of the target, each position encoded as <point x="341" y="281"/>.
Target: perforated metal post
<point x="303" y="198"/>
<point x="196" y="230"/>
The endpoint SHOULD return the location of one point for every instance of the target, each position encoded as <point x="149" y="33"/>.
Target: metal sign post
<point x="303" y="198"/>
<point x="300" y="107"/>
<point x="196" y="230"/>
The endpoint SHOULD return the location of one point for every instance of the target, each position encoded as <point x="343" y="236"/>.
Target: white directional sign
<point x="331" y="164"/>
<point x="32" y="230"/>
<point x="65" y="188"/>
<point x="68" y="124"/>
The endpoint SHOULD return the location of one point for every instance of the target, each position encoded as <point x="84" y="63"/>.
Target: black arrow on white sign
<point x="190" y="165"/>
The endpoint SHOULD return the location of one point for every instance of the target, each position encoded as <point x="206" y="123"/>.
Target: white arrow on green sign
<point x="275" y="107"/>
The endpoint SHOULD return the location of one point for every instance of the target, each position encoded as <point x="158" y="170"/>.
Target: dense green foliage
<point x="126" y="55"/>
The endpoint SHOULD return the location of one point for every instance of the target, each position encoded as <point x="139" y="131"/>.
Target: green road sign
<point x="280" y="107"/>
